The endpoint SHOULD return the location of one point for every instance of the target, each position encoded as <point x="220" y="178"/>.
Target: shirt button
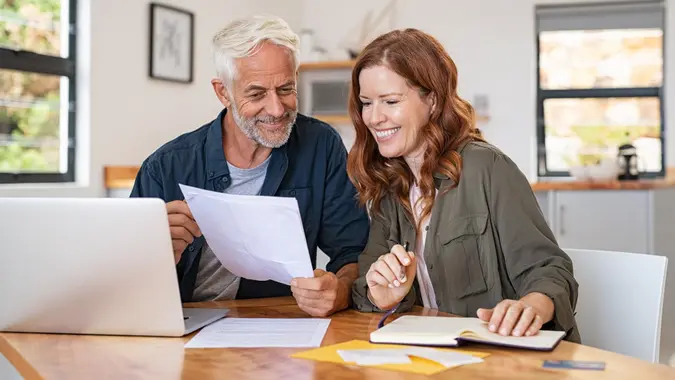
<point x="292" y="193"/>
<point x="225" y="180"/>
<point x="426" y="228"/>
<point x="211" y="174"/>
<point x="191" y="248"/>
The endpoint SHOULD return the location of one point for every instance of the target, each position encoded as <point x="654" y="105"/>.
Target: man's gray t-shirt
<point x="214" y="282"/>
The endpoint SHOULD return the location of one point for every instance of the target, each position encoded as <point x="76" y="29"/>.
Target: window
<point x="600" y="77"/>
<point x="37" y="90"/>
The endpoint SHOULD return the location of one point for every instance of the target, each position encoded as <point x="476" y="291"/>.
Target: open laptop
<point x="91" y="266"/>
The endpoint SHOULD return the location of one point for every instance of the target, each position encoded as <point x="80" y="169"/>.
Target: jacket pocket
<point x="461" y="255"/>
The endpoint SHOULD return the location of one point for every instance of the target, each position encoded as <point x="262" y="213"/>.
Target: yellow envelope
<point x="418" y="365"/>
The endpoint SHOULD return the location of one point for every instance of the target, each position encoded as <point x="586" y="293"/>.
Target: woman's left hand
<point x="523" y="317"/>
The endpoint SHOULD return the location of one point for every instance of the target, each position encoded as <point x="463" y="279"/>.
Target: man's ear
<point x="221" y="92"/>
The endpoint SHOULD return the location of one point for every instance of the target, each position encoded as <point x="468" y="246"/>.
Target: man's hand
<point x="325" y="293"/>
<point x="183" y="227"/>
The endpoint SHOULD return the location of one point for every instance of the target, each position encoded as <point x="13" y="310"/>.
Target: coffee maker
<point x="628" y="162"/>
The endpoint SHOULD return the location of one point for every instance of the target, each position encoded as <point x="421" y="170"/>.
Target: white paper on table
<point x="261" y="332"/>
<point x="447" y="359"/>
<point x="374" y="357"/>
<point x="255" y="237"/>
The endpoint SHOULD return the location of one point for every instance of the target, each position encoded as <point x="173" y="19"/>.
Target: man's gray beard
<point x="255" y="133"/>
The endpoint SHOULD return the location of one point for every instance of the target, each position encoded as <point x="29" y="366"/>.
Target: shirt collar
<point x="216" y="162"/>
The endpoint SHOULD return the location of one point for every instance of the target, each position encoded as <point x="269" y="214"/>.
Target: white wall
<point x="124" y="115"/>
<point x="493" y="44"/>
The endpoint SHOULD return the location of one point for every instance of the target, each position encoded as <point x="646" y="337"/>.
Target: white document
<point x="255" y="237"/>
<point x="261" y="332"/>
<point x="375" y="357"/>
<point x="402" y="355"/>
<point x="446" y="358"/>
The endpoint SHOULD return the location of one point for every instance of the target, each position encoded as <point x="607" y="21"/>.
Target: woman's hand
<point x="517" y="318"/>
<point x="391" y="277"/>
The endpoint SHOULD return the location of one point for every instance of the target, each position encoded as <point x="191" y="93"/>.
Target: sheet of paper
<point x="374" y="357"/>
<point x="261" y="332"/>
<point x="419" y="365"/>
<point x="255" y="237"/>
<point x="447" y="359"/>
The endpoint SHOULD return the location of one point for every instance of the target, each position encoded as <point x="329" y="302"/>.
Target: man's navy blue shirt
<point x="311" y="167"/>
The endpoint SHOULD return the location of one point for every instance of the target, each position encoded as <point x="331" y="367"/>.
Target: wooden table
<point x="100" y="357"/>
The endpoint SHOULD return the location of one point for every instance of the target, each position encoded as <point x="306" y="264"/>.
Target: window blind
<point x="622" y="15"/>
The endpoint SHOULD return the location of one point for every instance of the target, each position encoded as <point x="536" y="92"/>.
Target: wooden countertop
<point x="327" y="65"/>
<point x="119" y="177"/>
<point x="56" y="356"/>
<point x="122" y="177"/>
<point x="641" y="184"/>
<point x="645" y="184"/>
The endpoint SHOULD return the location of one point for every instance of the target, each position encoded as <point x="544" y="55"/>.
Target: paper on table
<point x="419" y="365"/>
<point x="261" y="332"/>
<point x="255" y="237"/>
<point x="374" y="357"/>
<point x="447" y="359"/>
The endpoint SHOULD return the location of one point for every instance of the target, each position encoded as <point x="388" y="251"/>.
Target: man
<point x="260" y="145"/>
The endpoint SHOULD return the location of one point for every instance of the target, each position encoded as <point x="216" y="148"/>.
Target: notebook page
<point x="410" y="329"/>
<point x="446" y="330"/>
<point x="543" y="340"/>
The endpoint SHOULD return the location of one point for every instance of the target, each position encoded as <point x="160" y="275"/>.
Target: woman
<point x="478" y="244"/>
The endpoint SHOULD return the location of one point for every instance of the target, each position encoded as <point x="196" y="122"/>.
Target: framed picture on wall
<point x="171" y="43"/>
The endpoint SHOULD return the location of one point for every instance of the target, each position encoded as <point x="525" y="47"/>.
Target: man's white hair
<point x="243" y="37"/>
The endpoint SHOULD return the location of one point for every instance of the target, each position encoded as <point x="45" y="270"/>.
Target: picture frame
<point x="171" y="37"/>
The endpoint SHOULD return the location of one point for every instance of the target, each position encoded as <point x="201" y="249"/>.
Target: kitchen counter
<point x="119" y="177"/>
<point x="641" y="184"/>
<point x="122" y="177"/>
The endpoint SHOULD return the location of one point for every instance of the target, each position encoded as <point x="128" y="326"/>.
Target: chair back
<point x="620" y="301"/>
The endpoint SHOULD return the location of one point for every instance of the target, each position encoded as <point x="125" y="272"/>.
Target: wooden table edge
<point x="22" y="366"/>
<point x="28" y="369"/>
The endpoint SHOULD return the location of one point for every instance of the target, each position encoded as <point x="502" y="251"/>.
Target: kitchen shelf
<point x="334" y="119"/>
<point x="326" y="65"/>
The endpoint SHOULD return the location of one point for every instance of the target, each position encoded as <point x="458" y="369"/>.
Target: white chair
<point x="620" y="301"/>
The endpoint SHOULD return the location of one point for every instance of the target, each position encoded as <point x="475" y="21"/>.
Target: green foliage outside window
<point x="30" y="103"/>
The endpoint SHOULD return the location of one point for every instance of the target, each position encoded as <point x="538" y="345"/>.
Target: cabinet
<point x="636" y="221"/>
<point x="605" y="220"/>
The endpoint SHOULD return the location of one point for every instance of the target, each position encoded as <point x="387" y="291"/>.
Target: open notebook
<point x="452" y="331"/>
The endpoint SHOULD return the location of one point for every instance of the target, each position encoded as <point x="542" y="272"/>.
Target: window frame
<point x="27" y="61"/>
<point x="586" y="93"/>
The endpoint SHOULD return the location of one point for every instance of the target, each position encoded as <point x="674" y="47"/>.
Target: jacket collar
<point x="442" y="180"/>
<point x="216" y="162"/>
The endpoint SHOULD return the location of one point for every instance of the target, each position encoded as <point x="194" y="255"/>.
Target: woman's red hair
<point x="427" y="67"/>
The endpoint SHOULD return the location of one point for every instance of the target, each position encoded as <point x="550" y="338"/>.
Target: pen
<point x="405" y="247"/>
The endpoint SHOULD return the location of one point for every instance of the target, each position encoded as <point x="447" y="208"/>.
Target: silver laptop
<point x="91" y="266"/>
